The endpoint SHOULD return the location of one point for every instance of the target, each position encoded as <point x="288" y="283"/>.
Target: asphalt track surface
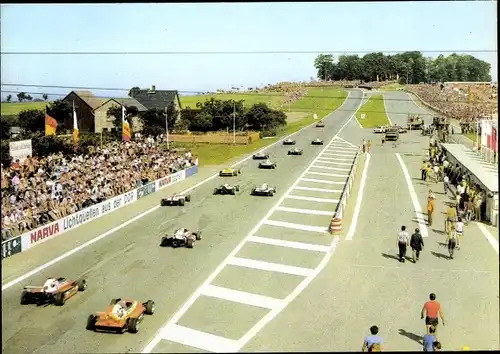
<point x="365" y="285"/>
<point x="129" y="263"/>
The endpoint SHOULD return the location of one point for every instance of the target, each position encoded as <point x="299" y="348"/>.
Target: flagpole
<point x="166" y="127"/>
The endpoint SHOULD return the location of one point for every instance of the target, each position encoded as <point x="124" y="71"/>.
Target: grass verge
<point x="14" y="108"/>
<point x="320" y="101"/>
<point x="374" y="113"/>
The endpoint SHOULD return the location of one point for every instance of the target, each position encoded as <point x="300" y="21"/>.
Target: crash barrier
<point x="47" y="232"/>
<point x="344" y="196"/>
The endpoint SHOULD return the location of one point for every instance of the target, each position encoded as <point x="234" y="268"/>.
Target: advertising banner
<point x="191" y="171"/>
<point x="146" y="190"/>
<point x="20" y="149"/>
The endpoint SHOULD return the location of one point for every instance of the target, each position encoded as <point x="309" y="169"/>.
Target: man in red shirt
<point x="432" y="310"/>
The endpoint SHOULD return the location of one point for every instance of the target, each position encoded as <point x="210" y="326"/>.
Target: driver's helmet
<point x="264" y="185"/>
<point x="226" y="185"/>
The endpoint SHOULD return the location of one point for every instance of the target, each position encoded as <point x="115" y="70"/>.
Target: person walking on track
<point x="431" y="310"/>
<point x="429" y="339"/>
<point x="416" y="244"/>
<point x="430" y="210"/>
<point x="451" y="240"/>
<point x="403" y="242"/>
<point x="373" y="342"/>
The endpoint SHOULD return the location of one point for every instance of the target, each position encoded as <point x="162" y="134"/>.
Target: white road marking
<point x="291" y="225"/>
<point x="304" y="211"/>
<point x="343" y="146"/>
<point x="331" y="168"/>
<point x="320" y="180"/>
<point x="385" y="110"/>
<point x="134" y="219"/>
<point x="197" y="339"/>
<point x="241" y="297"/>
<point x="312" y="199"/>
<point x="357" y="207"/>
<point x="342" y="149"/>
<point x="335" y="159"/>
<point x="326" y="174"/>
<point x="273" y="313"/>
<point x="318" y="189"/>
<point x="492" y="240"/>
<point x="347" y="142"/>
<point x="270" y="267"/>
<point x="335" y="162"/>
<point x="416" y="204"/>
<point x="290" y="244"/>
<point x="337" y="154"/>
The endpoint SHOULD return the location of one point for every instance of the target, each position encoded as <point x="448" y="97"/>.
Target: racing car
<point x="226" y="189"/>
<point x="295" y="151"/>
<point x="181" y="238"/>
<point x="120" y="316"/>
<point x="261" y="156"/>
<point x="55" y="291"/>
<point x="176" y="199"/>
<point x="228" y="172"/>
<point x="317" y="142"/>
<point x="289" y="142"/>
<point x="264" y="190"/>
<point x="402" y="130"/>
<point x="267" y="164"/>
<point x="379" y="130"/>
<point x="320" y="124"/>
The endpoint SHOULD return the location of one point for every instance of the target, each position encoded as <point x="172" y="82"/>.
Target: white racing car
<point x="176" y="199"/>
<point x="379" y="130"/>
<point x="263" y="190"/>
<point x="181" y="238"/>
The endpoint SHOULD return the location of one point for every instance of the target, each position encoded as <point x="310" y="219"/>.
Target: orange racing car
<point x="120" y="316"/>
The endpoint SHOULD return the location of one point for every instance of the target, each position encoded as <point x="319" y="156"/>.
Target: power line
<point x="254" y="52"/>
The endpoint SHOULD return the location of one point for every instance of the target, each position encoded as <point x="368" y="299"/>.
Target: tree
<point x="21" y="96"/>
<point x="260" y="117"/>
<point x="153" y="121"/>
<point x="115" y="113"/>
<point x="28" y="98"/>
<point x="45" y="97"/>
<point x="32" y="120"/>
<point x="9" y="98"/>
<point x="62" y="112"/>
<point x="7" y="122"/>
<point x="324" y="64"/>
<point x="133" y="91"/>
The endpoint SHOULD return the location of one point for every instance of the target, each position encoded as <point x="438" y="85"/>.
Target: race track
<point x="129" y="263"/>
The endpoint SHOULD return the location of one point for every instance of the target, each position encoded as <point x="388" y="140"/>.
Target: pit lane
<point x="129" y="263"/>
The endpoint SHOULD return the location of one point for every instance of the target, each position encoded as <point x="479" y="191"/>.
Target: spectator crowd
<point x="465" y="103"/>
<point x="41" y="190"/>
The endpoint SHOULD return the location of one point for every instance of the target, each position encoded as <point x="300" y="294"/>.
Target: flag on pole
<point x="50" y="123"/>
<point x="75" y="129"/>
<point x="484" y="135"/>
<point x="125" y="127"/>
<point x="494" y="138"/>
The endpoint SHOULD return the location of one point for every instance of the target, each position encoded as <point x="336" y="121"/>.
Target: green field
<point x="321" y="101"/>
<point x="14" y="108"/>
<point x="374" y="112"/>
<point x="272" y="99"/>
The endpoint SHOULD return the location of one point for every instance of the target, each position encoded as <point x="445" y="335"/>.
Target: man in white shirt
<point x="403" y="242"/>
<point x="446" y="184"/>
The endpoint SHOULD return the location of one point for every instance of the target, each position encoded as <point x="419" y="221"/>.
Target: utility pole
<point x="166" y="126"/>
<point x="234" y="123"/>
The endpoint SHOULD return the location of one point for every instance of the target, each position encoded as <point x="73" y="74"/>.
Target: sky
<point x="316" y="27"/>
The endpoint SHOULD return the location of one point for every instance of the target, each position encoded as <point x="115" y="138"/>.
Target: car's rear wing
<point x="30" y="287"/>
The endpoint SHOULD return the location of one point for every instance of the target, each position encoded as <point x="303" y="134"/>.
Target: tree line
<point x="22" y="97"/>
<point x="407" y="68"/>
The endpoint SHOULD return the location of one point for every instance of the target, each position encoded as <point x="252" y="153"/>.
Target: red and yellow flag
<point x="75" y="129"/>
<point x="50" y="123"/>
<point x="126" y="135"/>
